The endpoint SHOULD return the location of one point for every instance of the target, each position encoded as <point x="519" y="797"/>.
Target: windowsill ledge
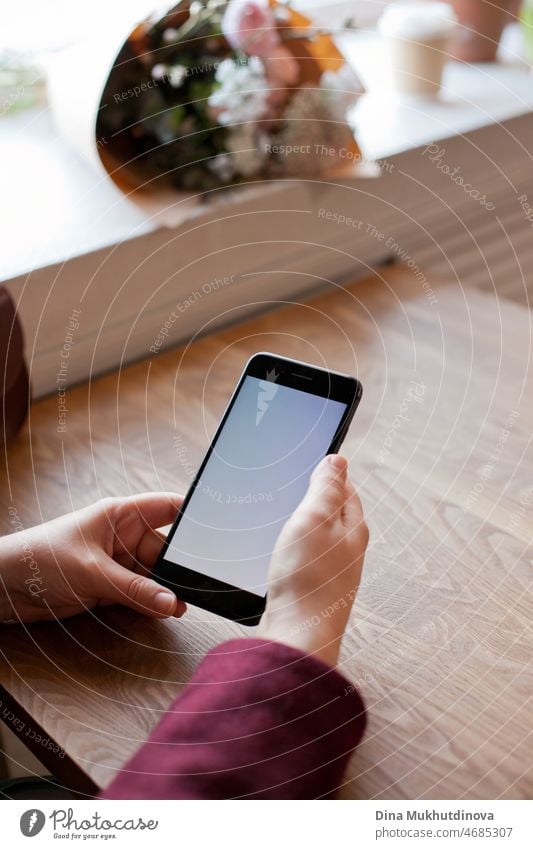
<point x="472" y="96"/>
<point x="59" y="209"/>
<point x="71" y="236"/>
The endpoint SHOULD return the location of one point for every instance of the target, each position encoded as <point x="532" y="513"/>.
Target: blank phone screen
<point x="256" y="475"/>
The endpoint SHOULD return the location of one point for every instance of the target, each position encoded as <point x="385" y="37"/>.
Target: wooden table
<point x="441" y="639"/>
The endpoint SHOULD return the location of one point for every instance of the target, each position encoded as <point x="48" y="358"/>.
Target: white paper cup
<point x="418" y="37"/>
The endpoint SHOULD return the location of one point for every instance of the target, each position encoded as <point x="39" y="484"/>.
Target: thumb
<point x="117" y="585"/>
<point x="327" y="487"/>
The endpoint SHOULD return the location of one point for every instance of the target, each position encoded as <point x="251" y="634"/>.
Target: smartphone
<point x="282" y="418"/>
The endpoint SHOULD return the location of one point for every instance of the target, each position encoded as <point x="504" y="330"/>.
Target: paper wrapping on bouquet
<point x="140" y="106"/>
<point x="76" y="77"/>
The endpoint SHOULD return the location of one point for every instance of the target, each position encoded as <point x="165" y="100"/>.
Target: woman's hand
<point x="316" y="565"/>
<point x="99" y="555"/>
<point x="102" y="554"/>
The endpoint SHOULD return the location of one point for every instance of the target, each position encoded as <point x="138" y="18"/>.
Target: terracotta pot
<point x="480" y="26"/>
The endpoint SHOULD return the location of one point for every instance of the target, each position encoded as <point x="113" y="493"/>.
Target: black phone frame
<point x="209" y="593"/>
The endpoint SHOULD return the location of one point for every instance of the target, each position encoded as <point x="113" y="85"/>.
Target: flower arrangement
<point x="217" y="93"/>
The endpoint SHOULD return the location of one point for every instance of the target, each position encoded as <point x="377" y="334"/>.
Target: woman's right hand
<point x="316" y="565"/>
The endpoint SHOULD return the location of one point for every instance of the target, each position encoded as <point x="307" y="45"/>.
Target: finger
<point x="327" y="488"/>
<point x="156" y="508"/>
<point x="354" y="518"/>
<point x="353" y="508"/>
<point x="116" y="584"/>
<point x="149" y="547"/>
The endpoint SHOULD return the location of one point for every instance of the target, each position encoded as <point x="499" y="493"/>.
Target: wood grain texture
<point x="440" y="641"/>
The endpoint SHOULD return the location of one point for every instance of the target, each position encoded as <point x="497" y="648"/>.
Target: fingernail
<point x="338" y="462"/>
<point x="180" y="610"/>
<point x="165" y="603"/>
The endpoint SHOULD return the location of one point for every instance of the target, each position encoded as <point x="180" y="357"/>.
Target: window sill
<point x="472" y="96"/>
<point x="73" y="238"/>
<point x="59" y="210"/>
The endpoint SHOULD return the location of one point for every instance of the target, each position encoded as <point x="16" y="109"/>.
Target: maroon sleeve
<point x="258" y="720"/>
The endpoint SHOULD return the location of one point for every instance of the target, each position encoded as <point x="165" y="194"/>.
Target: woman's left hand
<point x="99" y="555"/>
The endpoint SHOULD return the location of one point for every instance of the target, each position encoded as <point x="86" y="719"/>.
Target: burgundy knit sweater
<point x="258" y="720"/>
